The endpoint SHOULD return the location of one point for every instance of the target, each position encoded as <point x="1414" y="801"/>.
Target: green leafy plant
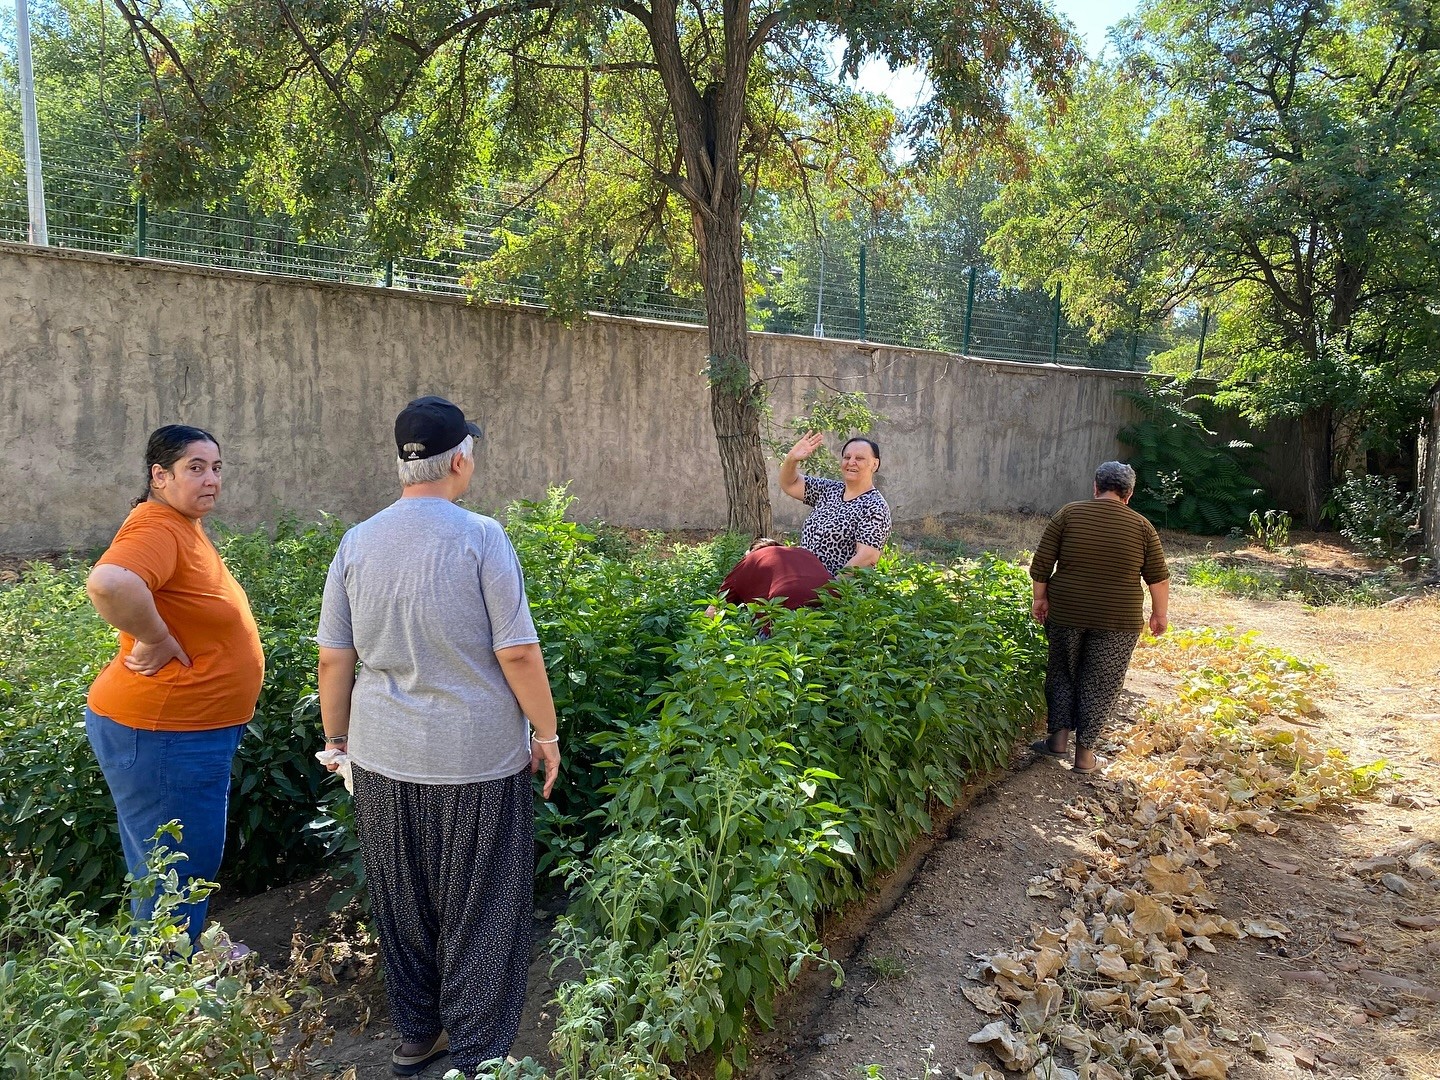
<point x="83" y="996"/>
<point x="771" y="780"/>
<point x="1297" y="582"/>
<point x="1270" y="529"/>
<point x="1185" y="479"/>
<point x="836" y="413"/>
<point x="1374" y="514"/>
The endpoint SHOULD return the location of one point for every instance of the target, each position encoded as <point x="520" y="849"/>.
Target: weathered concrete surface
<point x="301" y="381"/>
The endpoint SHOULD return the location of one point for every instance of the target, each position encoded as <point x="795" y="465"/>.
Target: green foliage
<point x="1184" y="479"/>
<point x="771" y="781"/>
<point x="1275" y="163"/>
<point x="721" y="791"/>
<point x="833" y="412"/>
<point x="1270" y="529"/>
<point x="83" y="997"/>
<point x="1374" y="514"/>
<point x="55" y="810"/>
<point x="605" y="614"/>
<point x="1297" y="582"/>
<point x="277" y="783"/>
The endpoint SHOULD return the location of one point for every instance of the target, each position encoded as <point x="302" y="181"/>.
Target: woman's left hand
<point x="1159" y="622"/>
<point x="547" y="754"/>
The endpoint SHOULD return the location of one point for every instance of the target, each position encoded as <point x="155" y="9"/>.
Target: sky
<point x="1091" y="18"/>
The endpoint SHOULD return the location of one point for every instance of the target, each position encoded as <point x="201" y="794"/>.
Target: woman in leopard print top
<point x="850" y="521"/>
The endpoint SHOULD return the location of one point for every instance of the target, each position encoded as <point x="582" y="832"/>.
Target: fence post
<point x="1200" y="352"/>
<point x="969" y="310"/>
<point x="390" y="260"/>
<point x="1055" y="330"/>
<point x="141" y="240"/>
<point x="862" y="292"/>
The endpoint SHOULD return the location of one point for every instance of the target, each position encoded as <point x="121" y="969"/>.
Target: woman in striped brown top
<point x="1086" y="577"/>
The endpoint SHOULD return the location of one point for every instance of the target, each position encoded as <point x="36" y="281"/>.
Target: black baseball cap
<point x="430" y="426"/>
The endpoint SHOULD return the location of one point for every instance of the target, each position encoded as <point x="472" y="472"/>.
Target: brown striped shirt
<point x="1094" y="555"/>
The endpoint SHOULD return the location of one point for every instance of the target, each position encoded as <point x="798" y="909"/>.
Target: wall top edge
<point x="874" y="349"/>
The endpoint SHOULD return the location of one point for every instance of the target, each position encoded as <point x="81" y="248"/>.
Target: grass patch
<point x="1296" y="582"/>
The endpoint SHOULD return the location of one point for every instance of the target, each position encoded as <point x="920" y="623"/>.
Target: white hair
<point x="429" y="470"/>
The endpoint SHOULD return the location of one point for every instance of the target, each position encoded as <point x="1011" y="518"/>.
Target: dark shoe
<point x="410" y="1064"/>
<point x="1042" y="747"/>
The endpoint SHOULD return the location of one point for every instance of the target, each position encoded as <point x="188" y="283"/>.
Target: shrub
<point x="1184" y="478"/>
<point x="1271" y="530"/>
<point x="55" y="811"/>
<point x="1374" y="515"/>
<point x="772" y="780"/>
<point x="82" y="996"/>
<point x="604" y="621"/>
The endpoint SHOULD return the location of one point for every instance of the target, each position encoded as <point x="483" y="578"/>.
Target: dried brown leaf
<point x="1013" y="1049"/>
<point x="1195" y="1057"/>
<point x="984" y="998"/>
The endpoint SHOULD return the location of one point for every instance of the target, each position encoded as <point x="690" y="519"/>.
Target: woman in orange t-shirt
<point x="165" y="716"/>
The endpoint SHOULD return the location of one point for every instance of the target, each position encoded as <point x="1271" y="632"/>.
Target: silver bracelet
<point x="545" y="742"/>
<point x="334" y="739"/>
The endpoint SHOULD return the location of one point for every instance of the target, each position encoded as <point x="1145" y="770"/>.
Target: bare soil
<point x="909" y="951"/>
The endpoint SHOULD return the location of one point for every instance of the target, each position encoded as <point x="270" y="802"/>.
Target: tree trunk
<point x="1316" y="434"/>
<point x="734" y="398"/>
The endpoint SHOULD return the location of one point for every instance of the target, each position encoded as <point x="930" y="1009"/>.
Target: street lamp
<point x="34" y="182"/>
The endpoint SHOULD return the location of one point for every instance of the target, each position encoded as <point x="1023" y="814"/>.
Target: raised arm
<point x="791" y="481"/>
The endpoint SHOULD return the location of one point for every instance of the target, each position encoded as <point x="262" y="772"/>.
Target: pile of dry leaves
<point x="1119" y="986"/>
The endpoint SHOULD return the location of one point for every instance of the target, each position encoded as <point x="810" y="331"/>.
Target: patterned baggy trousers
<point x="1083" y="677"/>
<point x="451" y="873"/>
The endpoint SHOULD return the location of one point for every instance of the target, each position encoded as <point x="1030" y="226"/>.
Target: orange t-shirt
<point x="209" y="614"/>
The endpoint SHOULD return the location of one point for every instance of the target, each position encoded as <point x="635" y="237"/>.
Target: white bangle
<point x="545" y="742"/>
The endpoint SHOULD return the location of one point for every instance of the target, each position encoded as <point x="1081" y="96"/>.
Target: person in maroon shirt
<point x="772" y="571"/>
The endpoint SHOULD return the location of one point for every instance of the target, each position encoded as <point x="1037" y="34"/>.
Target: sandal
<point x="1042" y="747"/>
<point x="410" y="1064"/>
<point x="1097" y="767"/>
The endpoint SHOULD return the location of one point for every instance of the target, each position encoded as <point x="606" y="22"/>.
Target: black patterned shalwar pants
<point x="451" y="873"/>
<point x="1083" y="677"/>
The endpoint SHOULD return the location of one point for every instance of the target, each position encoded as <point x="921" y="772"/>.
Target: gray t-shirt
<point x="425" y="592"/>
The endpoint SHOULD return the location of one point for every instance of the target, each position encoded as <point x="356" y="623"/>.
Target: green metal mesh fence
<point x="92" y="204"/>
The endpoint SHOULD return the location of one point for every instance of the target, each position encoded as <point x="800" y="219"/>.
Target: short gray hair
<point x="429" y="470"/>
<point x="1115" y="476"/>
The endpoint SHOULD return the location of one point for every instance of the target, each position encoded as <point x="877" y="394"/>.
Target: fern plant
<point x="1185" y="477"/>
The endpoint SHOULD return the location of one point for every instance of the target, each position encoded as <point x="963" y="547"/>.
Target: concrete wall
<point x="301" y="381"/>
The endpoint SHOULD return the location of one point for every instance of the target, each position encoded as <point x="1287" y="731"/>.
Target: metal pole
<point x="34" y="182"/>
<point x="969" y="309"/>
<point x="141" y="244"/>
<point x="1055" y="331"/>
<point x="390" y="262"/>
<point x="820" y="295"/>
<point x="1134" y="345"/>
<point x="862" y="292"/>
<point x="1204" y="326"/>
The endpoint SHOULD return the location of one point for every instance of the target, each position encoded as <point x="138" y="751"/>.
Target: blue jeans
<point x="161" y="776"/>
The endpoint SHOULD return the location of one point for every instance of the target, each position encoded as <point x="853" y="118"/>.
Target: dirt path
<point x="902" y="1008"/>
<point x="902" y="1012"/>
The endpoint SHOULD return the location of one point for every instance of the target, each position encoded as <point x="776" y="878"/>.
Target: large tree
<point x="639" y="119"/>
<point x="1278" y="160"/>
